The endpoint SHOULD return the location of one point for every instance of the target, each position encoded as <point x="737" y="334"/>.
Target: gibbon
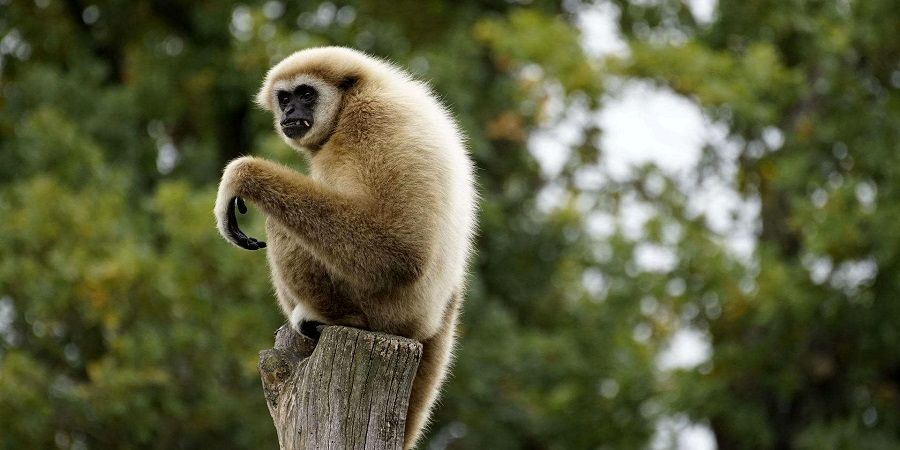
<point x="378" y="235"/>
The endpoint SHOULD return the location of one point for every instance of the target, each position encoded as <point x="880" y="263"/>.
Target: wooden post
<point x="348" y="391"/>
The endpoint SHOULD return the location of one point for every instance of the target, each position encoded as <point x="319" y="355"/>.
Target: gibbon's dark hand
<point x="238" y="236"/>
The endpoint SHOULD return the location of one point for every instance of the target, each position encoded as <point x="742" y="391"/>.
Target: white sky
<point x="646" y="124"/>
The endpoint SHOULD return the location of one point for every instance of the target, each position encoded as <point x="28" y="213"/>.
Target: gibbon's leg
<point x="346" y="235"/>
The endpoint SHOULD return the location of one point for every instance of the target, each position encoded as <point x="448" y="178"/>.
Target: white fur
<point x="227" y="191"/>
<point x="301" y="313"/>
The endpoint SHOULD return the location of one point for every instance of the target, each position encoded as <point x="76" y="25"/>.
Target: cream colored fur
<point x="378" y="235"/>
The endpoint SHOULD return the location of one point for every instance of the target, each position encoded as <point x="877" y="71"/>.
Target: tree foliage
<point x="805" y="353"/>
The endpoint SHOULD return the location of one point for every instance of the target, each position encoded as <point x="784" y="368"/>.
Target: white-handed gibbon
<point x="377" y="236"/>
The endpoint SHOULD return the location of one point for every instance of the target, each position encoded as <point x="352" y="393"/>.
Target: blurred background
<point x="689" y="234"/>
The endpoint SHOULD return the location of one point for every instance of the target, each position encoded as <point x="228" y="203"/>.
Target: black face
<point x="297" y="110"/>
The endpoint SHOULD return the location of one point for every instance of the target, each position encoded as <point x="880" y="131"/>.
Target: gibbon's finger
<point x="248" y="243"/>
<point x="234" y="231"/>
<point x="255" y="244"/>
<point x="240" y="205"/>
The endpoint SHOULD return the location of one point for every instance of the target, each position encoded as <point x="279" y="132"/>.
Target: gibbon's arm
<point x="346" y="235"/>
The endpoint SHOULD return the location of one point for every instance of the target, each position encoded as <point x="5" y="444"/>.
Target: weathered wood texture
<point x="348" y="391"/>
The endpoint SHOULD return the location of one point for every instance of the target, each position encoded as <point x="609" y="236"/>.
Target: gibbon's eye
<point x="306" y="93"/>
<point x="283" y="98"/>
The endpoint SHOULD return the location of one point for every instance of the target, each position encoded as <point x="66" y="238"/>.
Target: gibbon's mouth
<point x="296" y="128"/>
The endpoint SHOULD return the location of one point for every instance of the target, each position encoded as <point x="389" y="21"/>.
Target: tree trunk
<point x="349" y="390"/>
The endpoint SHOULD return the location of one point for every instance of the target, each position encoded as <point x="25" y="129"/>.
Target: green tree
<point x="805" y="347"/>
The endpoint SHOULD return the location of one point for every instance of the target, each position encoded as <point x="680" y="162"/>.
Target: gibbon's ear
<point x="348" y="82"/>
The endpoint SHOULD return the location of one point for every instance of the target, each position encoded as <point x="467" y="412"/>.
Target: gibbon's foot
<point x="238" y="236"/>
<point x="311" y="329"/>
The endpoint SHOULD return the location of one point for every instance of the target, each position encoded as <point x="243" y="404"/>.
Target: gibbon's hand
<point x="228" y="198"/>
<point x="234" y="232"/>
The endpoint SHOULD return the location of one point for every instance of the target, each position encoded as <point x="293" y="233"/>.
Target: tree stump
<point x="349" y="390"/>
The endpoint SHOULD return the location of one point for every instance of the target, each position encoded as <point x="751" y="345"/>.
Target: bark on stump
<point x="349" y="390"/>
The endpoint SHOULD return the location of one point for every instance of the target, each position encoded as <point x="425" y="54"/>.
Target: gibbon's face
<point x="306" y="109"/>
<point x="297" y="108"/>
